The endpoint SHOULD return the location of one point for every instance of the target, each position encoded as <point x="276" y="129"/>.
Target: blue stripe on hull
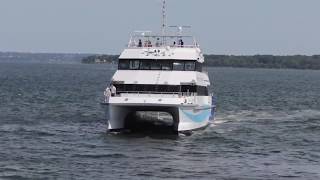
<point x="198" y="117"/>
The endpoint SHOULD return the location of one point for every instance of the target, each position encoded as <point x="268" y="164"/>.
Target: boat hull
<point x="185" y="118"/>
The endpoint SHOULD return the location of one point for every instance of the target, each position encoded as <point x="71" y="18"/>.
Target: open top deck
<point x="145" y="45"/>
<point x="145" y="39"/>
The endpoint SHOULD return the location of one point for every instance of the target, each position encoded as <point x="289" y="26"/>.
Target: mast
<point x="164" y="21"/>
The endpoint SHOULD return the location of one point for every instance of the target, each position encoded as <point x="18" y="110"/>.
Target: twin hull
<point x="188" y="113"/>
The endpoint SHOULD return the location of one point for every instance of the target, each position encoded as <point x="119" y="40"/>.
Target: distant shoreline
<point x="254" y="61"/>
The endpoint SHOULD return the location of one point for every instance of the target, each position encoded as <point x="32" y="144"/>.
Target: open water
<point x="53" y="127"/>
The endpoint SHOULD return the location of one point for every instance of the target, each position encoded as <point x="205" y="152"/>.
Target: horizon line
<point x="83" y="53"/>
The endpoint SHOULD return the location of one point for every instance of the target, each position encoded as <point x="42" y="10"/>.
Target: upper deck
<point x="149" y="46"/>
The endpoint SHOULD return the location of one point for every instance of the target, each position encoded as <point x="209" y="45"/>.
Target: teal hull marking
<point x="202" y="116"/>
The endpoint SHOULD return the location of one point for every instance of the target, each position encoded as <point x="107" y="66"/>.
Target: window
<point x="173" y="88"/>
<point x="134" y="64"/>
<point x="190" y="66"/>
<point x="166" y="65"/>
<point x="178" y="66"/>
<point x="124" y="64"/>
<point x="202" y="91"/>
<point x="145" y="65"/>
<point x="149" y="88"/>
<point x="188" y="88"/>
<point x="198" y="67"/>
<point x="155" y="65"/>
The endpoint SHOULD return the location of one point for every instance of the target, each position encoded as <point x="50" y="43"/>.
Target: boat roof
<point x="145" y="45"/>
<point x="148" y="39"/>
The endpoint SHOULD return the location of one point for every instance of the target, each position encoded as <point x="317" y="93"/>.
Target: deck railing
<point x="179" y="94"/>
<point x="135" y="46"/>
<point x="154" y="41"/>
<point x="189" y="97"/>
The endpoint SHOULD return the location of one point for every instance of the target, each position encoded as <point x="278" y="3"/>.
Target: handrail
<point x="148" y="41"/>
<point x="135" y="46"/>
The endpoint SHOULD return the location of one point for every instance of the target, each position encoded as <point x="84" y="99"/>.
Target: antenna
<point x="164" y="18"/>
<point x="164" y="21"/>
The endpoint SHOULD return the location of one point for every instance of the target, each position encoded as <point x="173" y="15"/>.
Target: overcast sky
<point x="239" y="27"/>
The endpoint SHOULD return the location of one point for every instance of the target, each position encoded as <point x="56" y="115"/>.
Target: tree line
<point x="256" y="61"/>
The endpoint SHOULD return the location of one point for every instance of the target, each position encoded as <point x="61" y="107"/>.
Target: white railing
<point x="156" y="41"/>
<point x="189" y="97"/>
<point x="178" y="94"/>
<point x="136" y="46"/>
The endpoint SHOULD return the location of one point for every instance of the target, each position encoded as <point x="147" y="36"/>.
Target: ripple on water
<point x="53" y="127"/>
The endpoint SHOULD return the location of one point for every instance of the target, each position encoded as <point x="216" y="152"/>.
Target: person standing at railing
<point x="107" y="94"/>
<point x="113" y="90"/>
<point x="158" y="44"/>
<point x="180" y="43"/>
<point x="140" y="43"/>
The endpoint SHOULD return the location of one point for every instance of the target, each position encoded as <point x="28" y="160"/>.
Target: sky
<point x="231" y="27"/>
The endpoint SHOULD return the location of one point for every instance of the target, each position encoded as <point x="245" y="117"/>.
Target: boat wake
<point x="245" y="115"/>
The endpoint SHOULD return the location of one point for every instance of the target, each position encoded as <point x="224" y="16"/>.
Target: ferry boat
<point x="161" y="73"/>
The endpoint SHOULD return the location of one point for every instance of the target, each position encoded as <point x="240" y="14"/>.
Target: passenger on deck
<point x="149" y="43"/>
<point x="140" y="43"/>
<point x="113" y="90"/>
<point x="181" y="43"/>
<point x="158" y="42"/>
<point x="107" y="94"/>
<point x="174" y="44"/>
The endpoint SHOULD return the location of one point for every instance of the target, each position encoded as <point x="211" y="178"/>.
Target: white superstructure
<point x="161" y="73"/>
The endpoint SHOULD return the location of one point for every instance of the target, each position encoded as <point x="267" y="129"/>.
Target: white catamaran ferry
<point x="161" y="73"/>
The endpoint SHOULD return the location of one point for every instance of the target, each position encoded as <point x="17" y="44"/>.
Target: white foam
<point x="246" y="115"/>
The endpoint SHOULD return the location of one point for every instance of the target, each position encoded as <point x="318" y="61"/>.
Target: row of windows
<point x="200" y="90"/>
<point x="166" y="65"/>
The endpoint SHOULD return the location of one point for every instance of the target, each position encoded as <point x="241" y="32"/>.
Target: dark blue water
<point x="53" y="127"/>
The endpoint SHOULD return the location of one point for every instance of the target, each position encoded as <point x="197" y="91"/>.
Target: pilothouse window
<point x="178" y="66"/>
<point x="124" y="64"/>
<point x="155" y="65"/>
<point x="190" y="66"/>
<point x="134" y="64"/>
<point x="166" y="65"/>
<point x="145" y="65"/>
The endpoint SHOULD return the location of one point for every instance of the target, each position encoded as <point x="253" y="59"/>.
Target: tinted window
<point x="199" y="67"/>
<point x="166" y="65"/>
<point x="188" y="88"/>
<point x="145" y="65"/>
<point x="133" y="88"/>
<point x="124" y="64"/>
<point x="178" y="66"/>
<point x="190" y="66"/>
<point x="155" y="65"/>
<point x="202" y="91"/>
<point x="134" y="64"/>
